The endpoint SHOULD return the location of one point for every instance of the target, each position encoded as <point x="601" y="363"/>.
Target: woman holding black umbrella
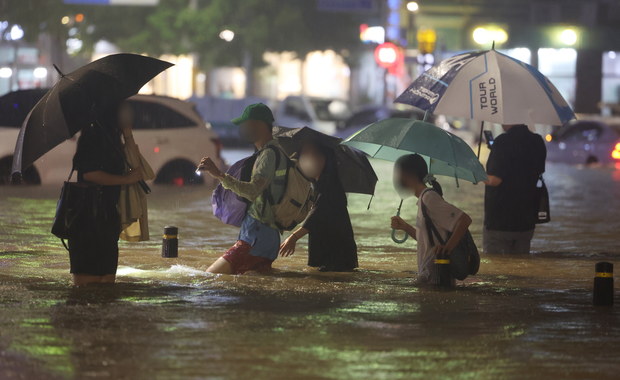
<point x="331" y="244"/>
<point x="99" y="160"/>
<point x="89" y="100"/>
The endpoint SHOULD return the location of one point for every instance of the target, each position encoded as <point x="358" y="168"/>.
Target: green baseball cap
<point x="257" y="111"/>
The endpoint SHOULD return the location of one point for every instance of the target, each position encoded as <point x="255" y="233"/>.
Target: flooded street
<point x="522" y="317"/>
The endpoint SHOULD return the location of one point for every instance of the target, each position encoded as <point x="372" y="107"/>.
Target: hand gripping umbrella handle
<point x="394" y="238"/>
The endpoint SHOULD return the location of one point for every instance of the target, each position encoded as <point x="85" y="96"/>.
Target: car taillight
<point x="615" y="154"/>
<point x="218" y="147"/>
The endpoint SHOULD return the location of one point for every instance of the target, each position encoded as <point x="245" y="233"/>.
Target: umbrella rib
<point x="435" y="79"/>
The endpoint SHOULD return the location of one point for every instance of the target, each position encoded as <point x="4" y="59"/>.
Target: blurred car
<point x="467" y="130"/>
<point x="585" y="142"/>
<point x="370" y="114"/>
<point x="219" y="112"/>
<point x="171" y="134"/>
<point x="324" y="115"/>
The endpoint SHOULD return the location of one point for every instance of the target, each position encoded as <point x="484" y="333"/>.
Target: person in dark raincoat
<point x="331" y="244"/>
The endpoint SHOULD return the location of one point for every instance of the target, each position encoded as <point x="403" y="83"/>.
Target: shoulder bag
<point x="77" y="205"/>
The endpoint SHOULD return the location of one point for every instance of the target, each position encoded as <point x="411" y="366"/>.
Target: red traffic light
<point x="386" y="54"/>
<point x="389" y="56"/>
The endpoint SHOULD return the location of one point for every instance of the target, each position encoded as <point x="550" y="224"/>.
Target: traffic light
<point x="389" y="56"/>
<point x="427" y="39"/>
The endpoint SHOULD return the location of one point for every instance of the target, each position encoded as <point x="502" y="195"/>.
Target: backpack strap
<point x="278" y="178"/>
<point x="430" y="226"/>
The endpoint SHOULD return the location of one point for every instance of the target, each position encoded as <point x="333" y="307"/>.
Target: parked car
<point x="171" y="134"/>
<point x="324" y="115"/>
<point x="586" y="142"/>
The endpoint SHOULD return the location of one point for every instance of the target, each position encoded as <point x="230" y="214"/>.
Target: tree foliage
<point x="193" y="26"/>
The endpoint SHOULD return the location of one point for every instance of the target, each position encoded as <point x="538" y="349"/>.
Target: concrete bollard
<point x="603" y="293"/>
<point x="170" y="244"/>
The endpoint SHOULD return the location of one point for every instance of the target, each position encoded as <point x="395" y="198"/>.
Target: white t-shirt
<point x="444" y="217"/>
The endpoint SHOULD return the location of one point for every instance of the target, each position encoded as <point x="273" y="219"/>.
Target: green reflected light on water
<point x="520" y="318"/>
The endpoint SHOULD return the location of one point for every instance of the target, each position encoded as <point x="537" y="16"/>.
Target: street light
<point x="568" y="37"/>
<point x="485" y="35"/>
<point x="16" y="32"/>
<point x="40" y="72"/>
<point x="227" y="35"/>
<point x="413" y="6"/>
<point x="6" y="72"/>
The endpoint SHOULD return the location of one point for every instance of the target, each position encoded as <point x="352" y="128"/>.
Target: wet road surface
<point x="522" y="317"/>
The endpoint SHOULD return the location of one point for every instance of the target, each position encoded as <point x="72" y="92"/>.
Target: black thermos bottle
<point x="603" y="294"/>
<point x="170" y="244"/>
<point x="443" y="267"/>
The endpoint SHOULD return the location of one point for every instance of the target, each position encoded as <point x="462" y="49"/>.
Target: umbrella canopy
<point x="355" y="172"/>
<point x="488" y="86"/>
<point x="445" y="153"/>
<point x="71" y="104"/>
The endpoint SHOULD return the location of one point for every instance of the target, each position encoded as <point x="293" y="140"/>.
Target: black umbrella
<point x="73" y="102"/>
<point x="354" y="169"/>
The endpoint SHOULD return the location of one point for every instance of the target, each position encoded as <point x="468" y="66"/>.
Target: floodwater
<point x="522" y="317"/>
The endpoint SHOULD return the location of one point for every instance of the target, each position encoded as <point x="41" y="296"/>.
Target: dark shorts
<point x="242" y="261"/>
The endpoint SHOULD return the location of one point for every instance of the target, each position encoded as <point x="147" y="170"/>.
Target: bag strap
<point x="71" y="173"/>
<point x="268" y="193"/>
<point x="430" y="226"/>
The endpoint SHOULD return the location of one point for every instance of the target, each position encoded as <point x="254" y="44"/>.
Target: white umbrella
<point x="488" y="86"/>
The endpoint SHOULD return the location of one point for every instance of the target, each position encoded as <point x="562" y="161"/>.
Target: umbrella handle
<point x="145" y="187"/>
<point x="395" y="239"/>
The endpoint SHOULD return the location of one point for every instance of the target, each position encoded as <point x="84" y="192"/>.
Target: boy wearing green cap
<point x="259" y="238"/>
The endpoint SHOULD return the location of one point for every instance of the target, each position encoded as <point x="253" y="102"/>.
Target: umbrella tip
<point x="58" y="70"/>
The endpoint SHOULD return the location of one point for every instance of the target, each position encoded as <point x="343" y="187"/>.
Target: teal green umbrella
<point x="445" y="153"/>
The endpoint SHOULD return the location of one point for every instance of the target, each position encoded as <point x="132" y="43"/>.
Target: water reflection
<point x="523" y="316"/>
